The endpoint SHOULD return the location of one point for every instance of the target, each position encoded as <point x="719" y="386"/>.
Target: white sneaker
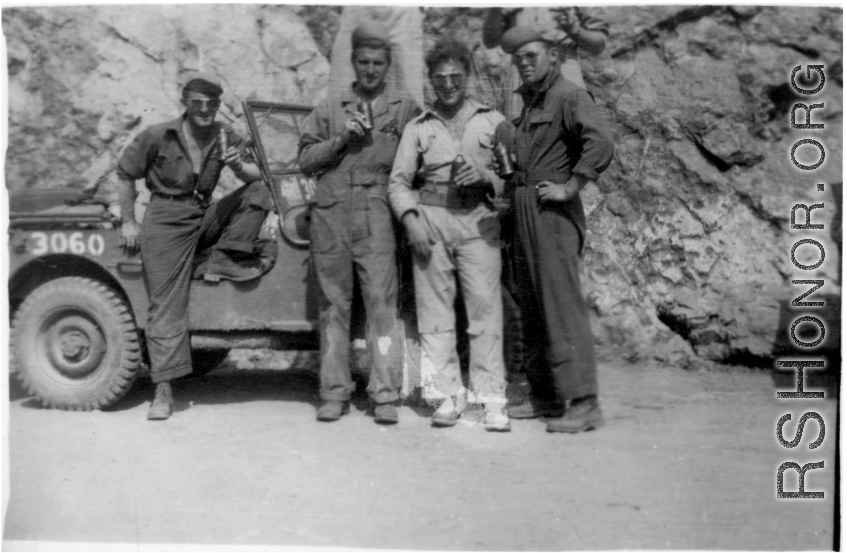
<point x="446" y="415"/>
<point x="496" y="418"/>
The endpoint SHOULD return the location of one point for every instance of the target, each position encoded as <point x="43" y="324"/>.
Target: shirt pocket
<point x="169" y="167"/>
<point x="540" y="126"/>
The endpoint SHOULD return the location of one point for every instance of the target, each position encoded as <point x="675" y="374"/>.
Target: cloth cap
<point x="516" y="37"/>
<point x="204" y="83"/>
<point x="370" y="31"/>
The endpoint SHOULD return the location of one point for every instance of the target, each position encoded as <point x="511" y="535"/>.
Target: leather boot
<point x="223" y="266"/>
<point x="163" y="403"/>
<point x="583" y="414"/>
<point x="386" y="413"/>
<point x="332" y="410"/>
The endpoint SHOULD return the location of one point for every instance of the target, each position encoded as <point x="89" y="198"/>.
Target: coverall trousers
<point x="554" y="314"/>
<point x="172" y="230"/>
<point x="466" y="245"/>
<point x="355" y="238"/>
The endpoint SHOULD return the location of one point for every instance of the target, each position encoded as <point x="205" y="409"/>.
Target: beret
<point x="204" y="83"/>
<point x="516" y="37"/>
<point x="370" y="31"/>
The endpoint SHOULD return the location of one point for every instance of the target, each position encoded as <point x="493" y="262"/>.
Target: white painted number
<point x="76" y="243"/>
<point x="58" y="242"/>
<point x="40" y="243"/>
<point x="96" y="245"/>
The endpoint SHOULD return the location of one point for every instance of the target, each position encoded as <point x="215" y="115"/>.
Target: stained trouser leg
<point x="525" y="258"/>
<point x="435" y="294"/>
<point x="168" y="239"/>
<point x="377" y="270"/>
<point x="479" y="266"/>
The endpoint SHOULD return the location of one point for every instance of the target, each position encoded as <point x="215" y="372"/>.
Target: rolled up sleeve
<point x="137" y="157"/>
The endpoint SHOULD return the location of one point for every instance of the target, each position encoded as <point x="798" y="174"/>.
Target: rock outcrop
<point x="688" y="248"/>
<point x="84" y="80"/>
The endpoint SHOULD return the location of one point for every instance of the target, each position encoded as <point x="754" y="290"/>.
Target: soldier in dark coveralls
<point x="179" y="163"/>
<point x="561" y="144"/>
<point x="352" y="230"/>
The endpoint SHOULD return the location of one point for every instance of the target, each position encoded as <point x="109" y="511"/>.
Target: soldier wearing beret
<point x="179" y="163"/>
<point x="352" y="230"/>
<point x="574" y="30"/>
<point x="561" y="144"/>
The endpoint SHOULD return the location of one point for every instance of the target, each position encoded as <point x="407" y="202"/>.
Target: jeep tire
<point x="74" y="344"/>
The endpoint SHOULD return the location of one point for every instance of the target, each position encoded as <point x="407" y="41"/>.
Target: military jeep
<point x="78" y="301"/>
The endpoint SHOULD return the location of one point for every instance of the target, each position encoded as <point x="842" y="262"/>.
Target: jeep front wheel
<point x="74" y="344"/>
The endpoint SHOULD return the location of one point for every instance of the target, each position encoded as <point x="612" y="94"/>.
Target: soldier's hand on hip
<point x="129" y="236"/>
<point x="549" y="191"/>
<point x="469" y="175"/>
<point x="418" y="237"/>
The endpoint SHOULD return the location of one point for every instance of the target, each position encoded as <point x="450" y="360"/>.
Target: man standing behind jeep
<point x="349" y="142"/>
<point x="181" y="163"/>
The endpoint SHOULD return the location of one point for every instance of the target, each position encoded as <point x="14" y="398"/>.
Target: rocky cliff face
<point x="84" y="80"/>
<point x="688" y="249"/>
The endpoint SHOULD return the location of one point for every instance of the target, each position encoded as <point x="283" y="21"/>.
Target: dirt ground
<point x="686" y="461"/>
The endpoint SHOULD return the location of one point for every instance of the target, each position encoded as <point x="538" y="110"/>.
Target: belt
<point x="354" y="178"/>
<point x="452" y="196"/>
<point x="194" y="198"/>
<point x="520" y="178"/>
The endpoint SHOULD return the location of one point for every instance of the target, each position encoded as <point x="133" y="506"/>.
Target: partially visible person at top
<point x="404" y="26"/>
<point x="454" y="232"/>
<point x="181" y="168"/>
<point x="352" y="231"/>
<point x="573" y="30"/>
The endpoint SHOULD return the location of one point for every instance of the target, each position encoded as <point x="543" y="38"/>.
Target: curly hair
<point x="448" y="49"/>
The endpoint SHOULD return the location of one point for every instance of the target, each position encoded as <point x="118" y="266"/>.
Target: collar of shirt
<point x="526" y="91"/>
<point x="476" y="107"/>
<point x="349" y="97"/>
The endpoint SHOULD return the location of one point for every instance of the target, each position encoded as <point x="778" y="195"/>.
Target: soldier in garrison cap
<point x="181" y="167"/>
<point x="561" y="143"/>
<point x="348" y="142"/>
<point x="404" y="30"/>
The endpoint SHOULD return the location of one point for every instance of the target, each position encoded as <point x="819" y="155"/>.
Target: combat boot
<point x="533" y="408"/>
<point x="386" y="413"/>
<point x="221" y="266"/>
<point x="332" y="410"/>
<point x="583" y="414"/>
<point x="163" y="403"/>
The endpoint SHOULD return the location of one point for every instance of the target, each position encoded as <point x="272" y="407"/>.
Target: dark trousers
<point x="171" y="232"/>
<point x="355" y="238"/>
<point x="553" y="312"/>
